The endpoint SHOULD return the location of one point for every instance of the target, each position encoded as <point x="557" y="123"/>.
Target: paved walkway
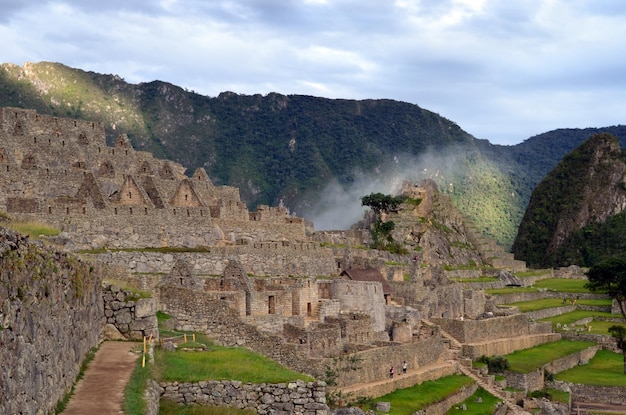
<point x="101" y="390"/>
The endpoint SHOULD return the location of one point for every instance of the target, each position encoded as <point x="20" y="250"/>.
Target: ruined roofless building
<point x="61" y="172"/>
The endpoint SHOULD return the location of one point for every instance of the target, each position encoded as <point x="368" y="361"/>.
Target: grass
<point x="605" y="369"/>
<point x="563" y="285"/>
<point x="602" y="327"/>
<point x="533" y="273"/>
<point x="412" y="399"/>
<point x="33" y="229"/>
<point x="221" y="363"/>
<point x="478" y="279"/>
<point x="486" y="407"/>
<point x="134" y="403"/>
<point x="168" y="407"/>
<point x="576" y="315"/>
<point x="558" y="395"/>
<point x="543" y="303"/>
<point x="527" y="360"/>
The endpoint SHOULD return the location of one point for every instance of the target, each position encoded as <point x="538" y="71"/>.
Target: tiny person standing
<point x="404" y="366"/>
<point x="391" y="372"/>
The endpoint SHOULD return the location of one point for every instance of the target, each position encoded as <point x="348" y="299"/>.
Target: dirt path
<point x="101" y="390"/>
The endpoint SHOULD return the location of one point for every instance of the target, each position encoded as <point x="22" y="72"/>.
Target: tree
<point x="610" y="275"/>
<point x="619" y="332"/>
<point x="381" y="203"/>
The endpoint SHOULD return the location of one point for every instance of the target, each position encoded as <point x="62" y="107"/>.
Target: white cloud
<point x="501" y="70"/>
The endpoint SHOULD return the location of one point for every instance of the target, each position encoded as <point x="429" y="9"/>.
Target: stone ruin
<point x="260" y="279"/>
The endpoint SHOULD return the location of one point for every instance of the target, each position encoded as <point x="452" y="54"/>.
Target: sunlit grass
<point x="527" y="360"/>
<point x="486" y="406"/>
<point x="576" y="315"/>
<point x="563" y="285"/>
<point x="221" y="363"/>
<point x="412" y="399"/>
<point x="543" y="303"/>
<point x="33" y="229"/>
<point x="605" y="369"/>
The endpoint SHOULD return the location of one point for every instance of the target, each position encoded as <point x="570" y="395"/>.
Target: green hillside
<point x="288" y="148"/>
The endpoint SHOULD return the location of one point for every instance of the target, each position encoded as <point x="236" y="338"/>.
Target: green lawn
<point x="605" y="369"/>
<point x="486" y="407"/>
<point x="219" y="363"/>
<point x="563" y="285"/>
<point x="527" y="360"/>
<point x="574" y="316"/>
<point x="543" y="303"/>
<point x="409" y="400"/>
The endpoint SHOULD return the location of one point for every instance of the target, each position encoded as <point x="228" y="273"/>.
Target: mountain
<point x="577" y="212"/>
<point x="308" y="153"/>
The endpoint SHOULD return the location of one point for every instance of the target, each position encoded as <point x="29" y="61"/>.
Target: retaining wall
<point x="50" y="318"/>
<point x="297" y="397"/>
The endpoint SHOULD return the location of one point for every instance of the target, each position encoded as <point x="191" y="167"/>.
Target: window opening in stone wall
<point x="67" y="211"/>
<point x="63" y="143"/>
<point x="113" y="151"/>
<point x="309" y="310"/>
<point x="201" y="212"/>
<point x="339" y="265"/>
<point x="7" y="168"/>
<point x="98" y="149"/>
<point x="130" y="195"/>
<point x="188" y="212"/>
<point x="50" y="209"/>
<point x="74" y="123"/>
<point x="115" y="211"/>
<point x="130" y="211"/>
<point x="271" y="305"/>
<point x="174" y="211"/>
<point x="84" y="211"/>
<point x="126" y="152"/>
<point x="35" y="140"/>
<point x="145" y="210"/>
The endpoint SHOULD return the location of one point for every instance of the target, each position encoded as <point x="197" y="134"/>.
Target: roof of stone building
<point x="367" y="274"/>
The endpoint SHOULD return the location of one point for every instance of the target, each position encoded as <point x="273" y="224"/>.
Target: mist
<point x="339" y="206"/>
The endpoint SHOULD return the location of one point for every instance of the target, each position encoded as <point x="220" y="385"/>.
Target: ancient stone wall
<point x="598" y="394"/>
<point x="259" y="261"/>
<point x="472" y="331"/>
<point x="134" y="318"/>
<point x="61" y="172"/>
<point x="534" y="380"/>
<point x="50" y="318"/>
<point x="499" y="347"/>
<point x="297" y="397"/>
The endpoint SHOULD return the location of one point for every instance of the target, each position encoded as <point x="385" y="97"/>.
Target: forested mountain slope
<point x="576" y="213"/>
<point x="290" y="148"/>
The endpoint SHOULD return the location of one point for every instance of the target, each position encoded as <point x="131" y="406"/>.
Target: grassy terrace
<point x="527" y="360"/>
<point x="485" y="407"/>
<point x="551" y="284"/>
<point x="541" y="304"/>
<point x="605" y="369"/>
<point x="412" y="399"/>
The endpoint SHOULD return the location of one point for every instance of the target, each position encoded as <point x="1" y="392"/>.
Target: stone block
<point x="383" y="406"/>
<point x="145" y="307"/>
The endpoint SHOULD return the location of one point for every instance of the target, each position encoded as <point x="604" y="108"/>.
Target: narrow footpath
<point x="101" y="390"/>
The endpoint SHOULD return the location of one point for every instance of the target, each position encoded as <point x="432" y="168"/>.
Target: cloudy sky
<point x="503" y="70"/>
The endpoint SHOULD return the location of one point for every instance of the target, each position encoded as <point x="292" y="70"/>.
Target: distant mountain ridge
<point x="288" y="149"/>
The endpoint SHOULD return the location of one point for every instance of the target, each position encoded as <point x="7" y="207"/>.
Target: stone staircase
<point x="465" y="366"/>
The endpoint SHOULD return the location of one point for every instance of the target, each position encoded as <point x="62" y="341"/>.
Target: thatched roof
<point x="367" y="274"/>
